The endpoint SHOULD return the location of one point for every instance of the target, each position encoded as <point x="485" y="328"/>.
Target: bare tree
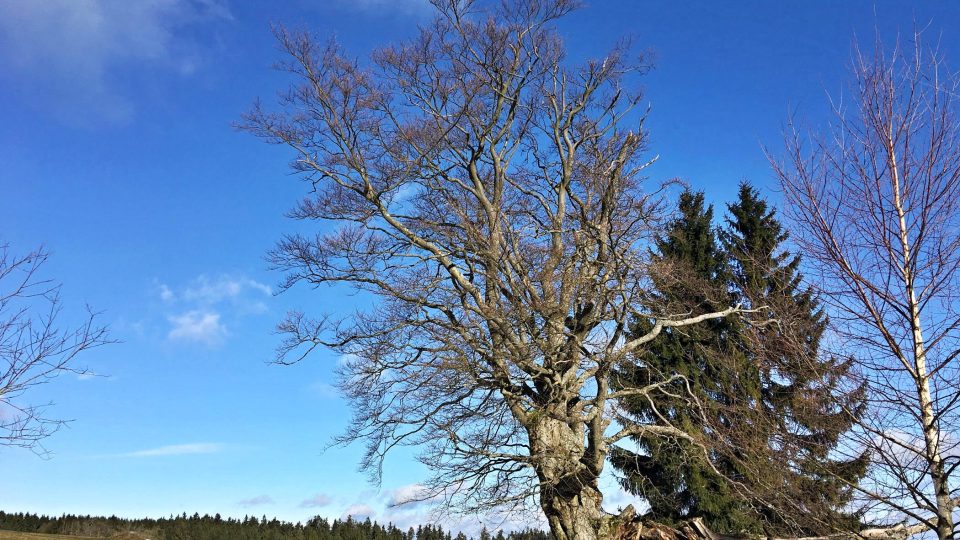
<point x="33" y="348"/>
<point x="877" y="200"/>
<point x="489" y="198"/>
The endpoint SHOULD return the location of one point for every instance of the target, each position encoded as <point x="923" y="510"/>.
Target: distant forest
<point x="197" y="527"/>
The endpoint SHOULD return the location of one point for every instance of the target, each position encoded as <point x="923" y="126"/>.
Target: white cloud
<point x="455" y="522"/>
<point x="90" y="376"/>
<point x="198" y="326"/>
<point x="207" y="305"/>
<point x="407" y="7"/>
<point x="208" y="290"/>
<point x="345" y="360"/>
<point x="615" y="498"/>
<point x="409" y="495"/>
<point x="317" y="501"/>
<point x="7" y="410"/>
<point x="166" y="293"/>
<point x="265" y="289"/>
<point x="619" y="499"/>
<point x="359" y="512"/>
<point x="67" y="54"/>
<point x="259" y="500"/>
<point x="211" y="291"/>
<point x="177" y="450"/>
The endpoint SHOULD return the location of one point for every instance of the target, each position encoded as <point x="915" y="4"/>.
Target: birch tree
<point x="490" y="197"/>
<point x="877" y="201"/>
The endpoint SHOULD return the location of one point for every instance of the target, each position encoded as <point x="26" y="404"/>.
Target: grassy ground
<point x="11" y="535"/>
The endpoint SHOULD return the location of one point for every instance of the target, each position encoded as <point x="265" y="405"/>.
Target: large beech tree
<point x="490" y="196"/>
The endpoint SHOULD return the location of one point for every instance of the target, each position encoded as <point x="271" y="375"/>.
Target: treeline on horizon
<point x="206" y="527"/>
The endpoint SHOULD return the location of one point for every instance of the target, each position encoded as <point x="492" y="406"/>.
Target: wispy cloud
<point x="67" y="54"/>
<point x="209" y="290"/>
<point x="177" y="450"/>
<point x="317" y="501"/>
<point x="199" y="312"/>
<point x="166" y="293"/>
<point x="91" y="376"/>
<point x="259" y="500"/>
<point x="359" y="512"/>
<point x="402" y="507"/>
<point x="619" y="499"/>
<point x="409" y="495"/>
<point x="198" y="326"/>
<point x="409" y="7"/>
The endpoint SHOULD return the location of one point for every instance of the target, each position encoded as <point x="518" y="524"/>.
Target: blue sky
<point x="117" y="154"/>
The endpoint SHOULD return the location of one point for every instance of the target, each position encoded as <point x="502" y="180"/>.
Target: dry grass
<point x="13" y="535"/>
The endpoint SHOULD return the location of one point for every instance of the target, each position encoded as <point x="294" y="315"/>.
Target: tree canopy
<point x="490" y="196"/>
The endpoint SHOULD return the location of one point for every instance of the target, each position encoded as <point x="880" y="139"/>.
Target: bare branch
<point x="877" y="200"/>
<point x="33" y="348"/>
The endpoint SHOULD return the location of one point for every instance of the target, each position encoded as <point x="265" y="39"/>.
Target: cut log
<point x="633" y="527"/>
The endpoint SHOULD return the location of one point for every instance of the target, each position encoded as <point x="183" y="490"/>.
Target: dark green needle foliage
<point x="674" y="476"/>
<point x="807" y="396"/>
<point x="205" y="527"/>
<point x="767" y="409"/>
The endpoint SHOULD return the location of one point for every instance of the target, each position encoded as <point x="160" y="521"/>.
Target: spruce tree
<point x="673" y="476"/>
<point x="807" y="399"/>
<point x="779" y="407"/>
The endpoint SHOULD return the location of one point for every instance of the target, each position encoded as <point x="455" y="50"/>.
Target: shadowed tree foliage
<point x="678" y="480"/>
<point x="810" y="400"/>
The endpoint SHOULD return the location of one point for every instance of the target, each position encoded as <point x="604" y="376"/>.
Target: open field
<point x="13" y="535"/>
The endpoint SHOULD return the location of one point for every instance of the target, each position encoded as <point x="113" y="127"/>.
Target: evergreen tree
<point x="673" y="476"/>
<point x="805" y="397"/>
<point x="194" y="527"/>
<point x="765" y="390"/>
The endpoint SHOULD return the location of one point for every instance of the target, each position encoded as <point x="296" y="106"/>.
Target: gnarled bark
<point x="569" y="495"/>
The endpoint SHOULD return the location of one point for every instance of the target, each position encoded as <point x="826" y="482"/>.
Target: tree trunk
<point x="571" y="500"/>
<point x="569" y="495"/>
<point x="576" y="517"/>
<point x="938" y="474"/>
<point x="931" y="431"/>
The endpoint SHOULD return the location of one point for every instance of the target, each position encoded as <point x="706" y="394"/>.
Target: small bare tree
<point x="489" y="197"/>
<point x="33" y="349"/>
<point x="877" y="201"/>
